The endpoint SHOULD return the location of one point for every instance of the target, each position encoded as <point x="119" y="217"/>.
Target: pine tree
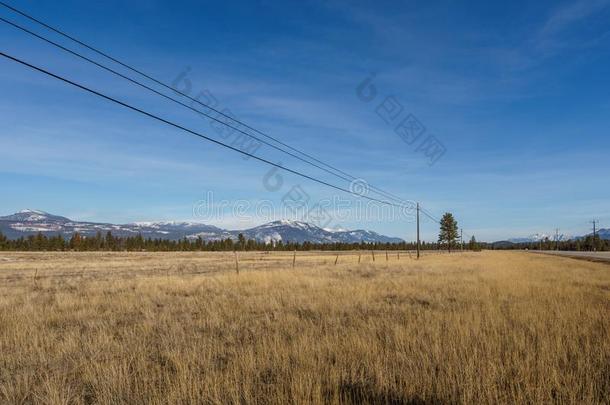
<point x="473" y="245"/>
<point x="242" y="241"/>
<point x="449" y="230"/>
<point x="75" y="241"/>
<point x="98" y="241"/>
<point x="109" y="241"/>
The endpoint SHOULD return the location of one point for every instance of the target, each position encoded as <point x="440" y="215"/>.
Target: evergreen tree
<point x="75" y="241"/>
<point x="449" y="230"/>
<point x="3" y="242"/>
<point x="473" y="245"/>
<point x="242" y="241"/>
<point x="98" y="241"/>
<point x="109" y="241"/>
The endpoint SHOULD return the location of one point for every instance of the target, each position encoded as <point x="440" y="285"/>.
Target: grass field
<point x="158" y="328"/>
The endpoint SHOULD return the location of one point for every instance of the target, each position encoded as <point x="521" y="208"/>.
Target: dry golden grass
<point x="491" y="327"/>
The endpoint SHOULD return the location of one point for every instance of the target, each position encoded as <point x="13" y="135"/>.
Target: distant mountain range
<point x="601" y="233"/>
<point x="30" y="222"/>
<point x="538" y="237"/>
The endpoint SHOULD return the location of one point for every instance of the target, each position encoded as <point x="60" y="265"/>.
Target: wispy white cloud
<point x="570" y="13"/>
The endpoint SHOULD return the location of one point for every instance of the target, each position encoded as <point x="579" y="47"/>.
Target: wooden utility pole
<point x="556" y="238"/>
<point x="418" y="230"/>
<point x="594" y="234"/>
<point x="461" y="238"/>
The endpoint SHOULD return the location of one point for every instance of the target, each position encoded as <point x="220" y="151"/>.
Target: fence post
<point x="294" y="258"/>
<point x="373" y="253"/>
<point x="336" y="259"/>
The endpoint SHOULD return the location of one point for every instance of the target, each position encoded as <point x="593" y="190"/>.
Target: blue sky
<point x="516" y="93"/>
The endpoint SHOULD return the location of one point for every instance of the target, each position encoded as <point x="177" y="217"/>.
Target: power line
<point x="333" y="170"/>
<point x="429" y="215"/>
<point x="165" y="85"/>
<point x="198" y="134"/>
<point x="163" y="95"/>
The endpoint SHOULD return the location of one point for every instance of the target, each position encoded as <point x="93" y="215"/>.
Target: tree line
<point x="587" y="243"/>
<point x="449" y="234"/>
<point x="109" y="242"/>
<point x="448" y="239"/>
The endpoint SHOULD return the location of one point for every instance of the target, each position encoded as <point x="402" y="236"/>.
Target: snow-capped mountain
<point x="604" y="234"/>
<point x="364" y="236"/>
<point x="287" y="230"/>
<point x="34" y="216"/>
<point x="601" y="233"/>
<point x="31" y="222"/>
<point x="540" y="236"/>
<point x="297" y="231"/>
